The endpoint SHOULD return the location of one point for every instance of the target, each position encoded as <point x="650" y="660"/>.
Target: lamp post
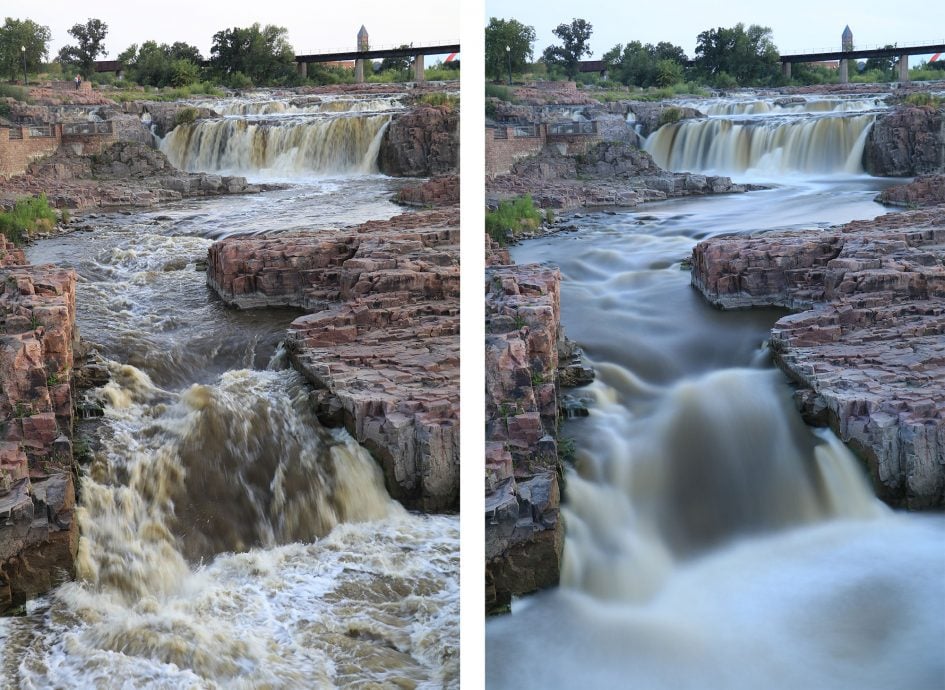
<point x="26" y="82"/>
<point x="508" y="52"/>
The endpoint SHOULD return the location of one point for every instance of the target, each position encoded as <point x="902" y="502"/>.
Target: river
<point x="228" y="538"/>
<point x="712" y="539"/>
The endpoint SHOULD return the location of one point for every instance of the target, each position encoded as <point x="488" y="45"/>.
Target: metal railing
<point x="87" y="128"/>
<point x="41" y="131"/>
<point x="572" y="128"/>
<point x="15" y="132"/>
<point x="500" y="133"/>
<point x="524" y="131"/>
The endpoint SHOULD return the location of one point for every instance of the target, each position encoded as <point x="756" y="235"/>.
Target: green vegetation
<point x="16" y="34"/>
<point x="185" y="116"/>
<point x="646" y="65"/>
<point x="15" y="92"/>
<point x="566" y="449"/>
<point x="669" y="116"/>
<point x="924" y="99"/>
<point x="261" y="55"/>
<point x="162" y="65"/>
<point x="166" y="94"/>
<point x="513" y="216"/>
<point x="509" y="47"/>
<point x="90" y="38"/>
<point x="503" y="93"/>
<point x="29" y="215"/>
<point x="575" y="39"/>
<point x="438" y="99"/>
<point x="737" y="56"/>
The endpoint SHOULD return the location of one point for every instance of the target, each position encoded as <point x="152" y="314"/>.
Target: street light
<point x="26" y="82"/>
<point x="508" y="51"/>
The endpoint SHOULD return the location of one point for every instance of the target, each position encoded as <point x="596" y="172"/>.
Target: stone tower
<point x="364" y="43"/>
<point x="846" y="39"/>
<point x="363" y="46"/>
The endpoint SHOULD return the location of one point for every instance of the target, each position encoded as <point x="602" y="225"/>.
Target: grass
<point x="652" y="93"/>
<point x="503" y="93"/>
<point x="17" y="93"/>
<point x="669" y="116"/>
<point x="185" y="116"/>
<point x="29" y="215"/>
<point x="438" y="99"/>
<point x="512" y="216"/>
<point x="147" y="93"/>
<point x="924" y="99"/>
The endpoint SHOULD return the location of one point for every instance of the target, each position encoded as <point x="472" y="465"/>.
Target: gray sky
<point x="797" y="25"/>
<point x="314" y="25"/>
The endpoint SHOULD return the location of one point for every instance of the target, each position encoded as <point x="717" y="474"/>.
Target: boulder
<point x="906" y="141"/>
<point x="423" y="142"/>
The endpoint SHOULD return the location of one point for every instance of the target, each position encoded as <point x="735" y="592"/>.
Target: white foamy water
<point x="712" y="539"/>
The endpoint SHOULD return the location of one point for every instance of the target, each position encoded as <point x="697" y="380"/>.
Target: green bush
<point x="441" y="74"/>
<point x="438" y="99"/>
<point x="923" y="99"/>
<point x="185" y="116"/>
<point x="238" y="80"/>
<point x="17" y="93"/>
<point x="503" y="93"/>
<point x="513" y="215"/>
<point x="669" y="116"/>
<point x="29" y="215"/>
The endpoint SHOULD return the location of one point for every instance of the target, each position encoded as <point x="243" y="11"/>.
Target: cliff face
<point x="381" y="344"/>
<point x="38" y="533"/>
<point x="868" y="349"/>
<point x="423" y="142"/>
<point x="906" y="141"/>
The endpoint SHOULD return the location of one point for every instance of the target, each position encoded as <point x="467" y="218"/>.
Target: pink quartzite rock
<point x="38" y="535"/>
<point x="927" y="190"/>
<point x="381" y="345"/>
<point x="869" y="351"/>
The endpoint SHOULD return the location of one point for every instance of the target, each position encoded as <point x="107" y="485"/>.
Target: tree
<point x="16" y="34"/>
<point x="519" y="39"/>
<point x="90" y="37"/>
<point x="646" y="65"/>
<point x="263" y="55"/>
<point x="748" y="56"/>
<point x="396" y="64"/>
<point x="162" y="65"/>
<point x="886" y="65"/>
<point x="575" y="37"/>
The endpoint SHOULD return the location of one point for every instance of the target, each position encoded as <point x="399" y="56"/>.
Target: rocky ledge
<point x="527" y="360"/>
<point x="868" y="348"/>
<point x="926" y="190"/>
<point x="907" y="141"/>
<point x="39" y="535"/>
<point x="423" y="142"/>
<point x="609" y="174"/>
<point x="127" y="174"/>
<point x="381" y="344"/>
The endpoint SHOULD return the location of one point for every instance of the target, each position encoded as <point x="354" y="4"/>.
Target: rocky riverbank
<point x="39" y="533"/>
<point x="867" y="348"/>
<point x="381" y="344"/>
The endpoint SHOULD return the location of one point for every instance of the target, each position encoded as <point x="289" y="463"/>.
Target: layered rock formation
<point x="125" y="174"/>
<point x="927" y="190"/>
<point x="610" y="174"/>
<point x="525" y="354"/>
<point x="440" y="191"/>
<point x="39" y="535"/>
<point x="868" y="351"/>
<point x="381" y="345"/>
<point x="422" y="142"/>
<point x="907" y="141"/>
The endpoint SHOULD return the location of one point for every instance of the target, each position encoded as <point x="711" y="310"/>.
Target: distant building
<point x="590" y="66"/>
<point x="846" y="39"/>
<point x="363" y="42"/>
<point x="113" y="66"/>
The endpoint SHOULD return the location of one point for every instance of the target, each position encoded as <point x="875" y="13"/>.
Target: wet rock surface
<point x="927" y="190"/>
<point x="440" y="191"/>
<point x="868" y="348"/>
<point x="381" y="344"/>
<point x="526" y="353"/>
<point x="38" y="532"/>
<point x="610" y="174"/>
<point x="908" y="141"/>
<point x="423" y="142"/>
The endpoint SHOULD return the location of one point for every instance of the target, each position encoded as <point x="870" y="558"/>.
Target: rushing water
<point x="228" y="539"/>
<point x="713" y="540"/>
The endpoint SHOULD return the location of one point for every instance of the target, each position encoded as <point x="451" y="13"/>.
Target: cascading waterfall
<point x="826" y="144"/>
<point x="323" y="145"/>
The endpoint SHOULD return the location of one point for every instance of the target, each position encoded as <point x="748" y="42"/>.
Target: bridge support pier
<point x="786" y="69"/>
<point x="302" y="69"/>
<point x="844" y="71"/>
<point x="359" y="71"/>
<point x="904" y="68"/>
<point x="418" y="74"/>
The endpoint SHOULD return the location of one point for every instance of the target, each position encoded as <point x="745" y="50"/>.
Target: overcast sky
<point x="797" y="25"/>
<point x="314" y="25"/>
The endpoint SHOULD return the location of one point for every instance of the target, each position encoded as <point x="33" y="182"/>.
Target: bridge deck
<point x="871" y="53"/>
<point x="374" y="54"/>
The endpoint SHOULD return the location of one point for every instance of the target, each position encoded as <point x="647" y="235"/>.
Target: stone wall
<point x="38" y="531"/>
<point x="16" y="154"/>
<point x="381" y="345"/>
<point x="503" y="153"/>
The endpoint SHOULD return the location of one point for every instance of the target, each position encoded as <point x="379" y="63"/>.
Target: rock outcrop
<point x="423" y="142"/>
<point x="165" y="115"/>
<point x="525" y="353"/>
<point x="927" y="190"/>
<point x="906" y="141"/>
<point x="381" y="345"/>
<point x="39" y="535"/>
<point x="868" y="349"/>
<point x="609" y="174"/>
<point x="440" y="191"/>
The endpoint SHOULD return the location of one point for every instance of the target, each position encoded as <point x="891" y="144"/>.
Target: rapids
<point x="712" y="539"/>
<point x="228" y="539"/>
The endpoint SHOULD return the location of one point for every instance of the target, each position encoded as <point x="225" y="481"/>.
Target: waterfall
<point x="285" y="146"/>
<point x="811" y="144"/>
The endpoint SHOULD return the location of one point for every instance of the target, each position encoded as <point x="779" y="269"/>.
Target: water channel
<point x="713" y="539"/>
<point x="228" y="539"/>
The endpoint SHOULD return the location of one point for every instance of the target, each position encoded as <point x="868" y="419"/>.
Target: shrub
<point x="238" y="80"/>
<point x="185" y="116"/>
<point x="669" y="116"/>
<point x="17" y="93"/>
<point x="503" y="93"/>
<point x="923" y="99"/>
<point x="29" y="215"/>
<point x="513" y="215"/>
<point x="438" y="99"/>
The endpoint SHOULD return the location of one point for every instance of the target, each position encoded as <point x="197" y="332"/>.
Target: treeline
<point x="724" y="58"/>
<point x="240" y="57"/>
